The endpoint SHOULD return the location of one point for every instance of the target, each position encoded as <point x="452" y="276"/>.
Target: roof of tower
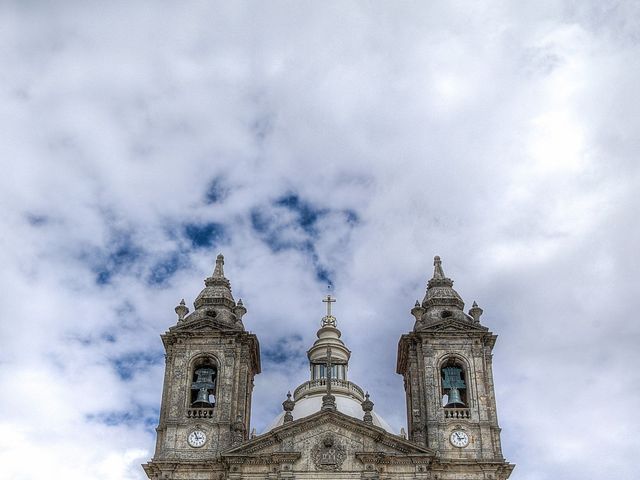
<point x="217" y="290"/>
<point x="215" y="304"/>
<point x="440" y="290"/>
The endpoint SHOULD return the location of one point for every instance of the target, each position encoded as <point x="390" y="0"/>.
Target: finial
<point x="475" y="311"/>
<point x="219" y="270"/>
<point x="403" y="433"/>
<point x="367" y="406"/>
<point x="329" y="320"/>
<point x="253" y="433"/>
<point x="181" y="310"/>
<point x="239" y="310"/>
<point x="417" y="311"/>
<point x="288" y="406"/>
<point x="437" y="271"/>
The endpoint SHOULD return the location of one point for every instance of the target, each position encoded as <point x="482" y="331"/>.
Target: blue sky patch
<point x="271" y="233"/>
<point x="122" y="254"/>
<point x="284" y="349"/>
<point x="138" y="415"/>
<point x="205" y="234"/>
<point x="127" y="366"/>
<point x="217" y="191"/>
<point x="298" y="231"/>
<point x="323" y="275"/>
<point x="165" y="268"/>
<point x="307" y="214"/>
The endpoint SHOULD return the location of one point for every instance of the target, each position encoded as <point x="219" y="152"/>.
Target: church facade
<point x="328" y="428"/>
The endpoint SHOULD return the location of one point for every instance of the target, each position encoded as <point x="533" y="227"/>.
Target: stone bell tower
<point x="446" y="362"/>
<point x="206" y="399"/>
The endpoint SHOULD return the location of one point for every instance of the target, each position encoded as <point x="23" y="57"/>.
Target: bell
<point x="454" y="399"/>
<point x="205" y="375"/>
<point x="202" y="400"/>
<point x="205" y="384"/>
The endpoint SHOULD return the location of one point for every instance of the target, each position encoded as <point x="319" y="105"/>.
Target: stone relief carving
<point x="329" y="453"/>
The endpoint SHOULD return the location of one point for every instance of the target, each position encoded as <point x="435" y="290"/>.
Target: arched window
<point x="203" y="383"/>
<point x="454" y="384"/>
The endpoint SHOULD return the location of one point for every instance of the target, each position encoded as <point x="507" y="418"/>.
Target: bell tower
<point x="446" y="362"/>
<point x="211" y="362"/>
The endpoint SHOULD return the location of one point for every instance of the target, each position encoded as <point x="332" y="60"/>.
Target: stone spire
<point x="440" y="292"/>
<point x="217" y="289"/>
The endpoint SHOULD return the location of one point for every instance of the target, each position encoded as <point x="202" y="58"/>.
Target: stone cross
<point x="329" y="320"/>
<point x="329" y="300"/>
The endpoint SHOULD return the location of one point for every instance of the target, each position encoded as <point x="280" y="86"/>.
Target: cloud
<point x="314" y="144"/>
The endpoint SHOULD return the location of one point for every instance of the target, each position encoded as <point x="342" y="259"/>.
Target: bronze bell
<point x="454" y="399"/>
<point x="202" y="400"/>
<point x="205" y="383"/>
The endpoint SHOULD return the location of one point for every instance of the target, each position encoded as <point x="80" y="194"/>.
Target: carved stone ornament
<point x="328" y="454"/>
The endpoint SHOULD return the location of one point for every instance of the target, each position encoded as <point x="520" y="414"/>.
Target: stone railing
<point x="456" y="413"/>
<point x="320" y="385"/>
<point x="199" y="412"/>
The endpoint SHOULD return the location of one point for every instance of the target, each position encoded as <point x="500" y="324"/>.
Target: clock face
<point x="197" y="438"/>
<point x="459" y="439"/>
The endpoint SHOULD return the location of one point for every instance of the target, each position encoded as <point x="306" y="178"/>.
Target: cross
<point x="329" y="300"/>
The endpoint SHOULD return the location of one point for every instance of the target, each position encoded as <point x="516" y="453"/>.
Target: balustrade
<point x="199" y="412"/>
<point x="457" y="413"/>
<point x="321" y="384"/>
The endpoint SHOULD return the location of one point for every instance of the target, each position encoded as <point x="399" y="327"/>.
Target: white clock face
<point x="197" y="438"/>
<point x="459" y="439"/>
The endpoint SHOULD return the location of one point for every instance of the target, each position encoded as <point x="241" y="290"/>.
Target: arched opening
<point x="203" y="383"/>
<point x="454" y="384"/>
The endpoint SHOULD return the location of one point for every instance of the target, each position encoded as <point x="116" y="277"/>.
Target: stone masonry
<point x="446" y="361"/>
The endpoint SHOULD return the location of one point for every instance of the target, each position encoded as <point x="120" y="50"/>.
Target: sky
<point x="317" y="143"/>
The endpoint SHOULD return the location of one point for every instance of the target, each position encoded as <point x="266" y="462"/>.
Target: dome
<point x="312" y="404"/>
<point x="328" y="361"/>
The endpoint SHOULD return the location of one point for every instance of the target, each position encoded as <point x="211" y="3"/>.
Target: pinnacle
<point x="218" y="272"/>
<point x="440" y="290"/>
<point x="217" y="288"/>
<point x="437" y="270"/>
